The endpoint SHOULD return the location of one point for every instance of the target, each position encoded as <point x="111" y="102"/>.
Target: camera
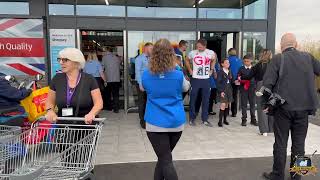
<point x="271" y="100"/>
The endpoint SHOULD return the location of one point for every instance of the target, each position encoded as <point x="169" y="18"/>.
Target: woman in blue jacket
<point x="164" y="116"/>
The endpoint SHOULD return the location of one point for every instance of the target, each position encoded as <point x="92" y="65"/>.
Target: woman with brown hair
<point x="164" y="116"/>
<point x="257" y="72"/>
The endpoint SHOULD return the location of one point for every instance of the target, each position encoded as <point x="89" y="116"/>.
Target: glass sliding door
<point x="254" y="43"/>
<point x="136" y="41"/>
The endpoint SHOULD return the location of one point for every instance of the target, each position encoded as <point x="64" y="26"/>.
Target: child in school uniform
<point x="247" y="91"/>
<point x="224" y="87"/>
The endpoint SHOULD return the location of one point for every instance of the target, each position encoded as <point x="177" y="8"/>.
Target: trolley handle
<point x="80" y="119"/>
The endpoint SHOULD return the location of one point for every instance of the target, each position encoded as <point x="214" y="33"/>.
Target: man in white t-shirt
<point x="203" y="61"/>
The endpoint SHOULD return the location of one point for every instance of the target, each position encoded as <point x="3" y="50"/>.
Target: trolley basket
<point x="65" y="151"/>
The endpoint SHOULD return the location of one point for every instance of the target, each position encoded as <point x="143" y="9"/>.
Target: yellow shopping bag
<point x="34" y="104"/>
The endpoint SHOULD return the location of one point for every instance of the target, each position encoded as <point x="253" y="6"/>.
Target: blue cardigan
<point x="164" y="99"/>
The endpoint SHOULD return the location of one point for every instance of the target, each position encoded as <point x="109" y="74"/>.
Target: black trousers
<point x="234" y="104"/>
<point x="112" y="96"/>
<point x="248" y="95"/>
<point x="142" y="102"/>
<point x="213" y="99"/>
<point x="295" y="122"/>
<point x="163" y="144"/>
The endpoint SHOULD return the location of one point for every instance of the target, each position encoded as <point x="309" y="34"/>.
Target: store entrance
<point x="103" y="43"/>
<point x="220" y="42"/>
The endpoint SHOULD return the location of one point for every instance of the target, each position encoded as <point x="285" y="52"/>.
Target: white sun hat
<point x="74" y="55"/>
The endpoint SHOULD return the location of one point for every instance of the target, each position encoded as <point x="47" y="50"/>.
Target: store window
<point x="256" y="10"/>
<point x="220" y="9"/>
<point x="220" y="13"/>
<point x="61" y="9"/>
<point x="101" y="8"/>
<point x="162" y="9"/>
<point x="136" y="41"/>
<point x="254" y="43"/>
<point x="20" y="8"/>
<point x="162" y="12"/>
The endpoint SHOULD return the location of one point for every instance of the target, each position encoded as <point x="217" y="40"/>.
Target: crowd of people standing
<point x="165" y="113"/>
<point x="212" y="81"/>
<point x="164" y="77"/>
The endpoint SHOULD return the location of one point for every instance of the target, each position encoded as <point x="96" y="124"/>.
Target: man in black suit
<point x="297" y="86"/>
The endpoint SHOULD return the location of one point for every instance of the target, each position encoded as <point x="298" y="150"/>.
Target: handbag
<point x="186" y="84"/>
<point x="34" y="104"/>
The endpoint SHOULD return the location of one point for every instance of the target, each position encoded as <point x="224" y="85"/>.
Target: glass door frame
<point x="126" y="64"/>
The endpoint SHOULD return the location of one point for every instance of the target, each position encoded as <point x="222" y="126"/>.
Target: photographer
<point x="296" y="86"/>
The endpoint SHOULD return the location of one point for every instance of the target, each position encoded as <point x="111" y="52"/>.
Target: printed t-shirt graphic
<point x="201" y="63"/>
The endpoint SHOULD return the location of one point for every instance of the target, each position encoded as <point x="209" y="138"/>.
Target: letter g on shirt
<point x="201" y="63"/>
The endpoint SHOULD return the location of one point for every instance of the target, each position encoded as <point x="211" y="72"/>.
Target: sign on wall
<point x="60" y="39"/>
<point x="22" y="47"/>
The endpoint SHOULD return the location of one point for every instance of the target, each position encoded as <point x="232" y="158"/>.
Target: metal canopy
<point x="161" y="3"/>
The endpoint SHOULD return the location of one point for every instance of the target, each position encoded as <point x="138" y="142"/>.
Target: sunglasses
<point x="64" y="60"/>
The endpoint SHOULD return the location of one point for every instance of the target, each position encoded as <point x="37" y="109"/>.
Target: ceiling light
<point x="107" y="2"/>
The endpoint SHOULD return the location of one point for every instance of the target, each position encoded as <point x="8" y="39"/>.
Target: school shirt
<point x="224" y="78"/>
<point x="257" y="72"/>
<point x="201" y="63"/>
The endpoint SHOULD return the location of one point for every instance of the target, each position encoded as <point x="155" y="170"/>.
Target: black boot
<point x="221" y="115"/>
<point x="244" y="122"/>
<point x="225" y="116"/>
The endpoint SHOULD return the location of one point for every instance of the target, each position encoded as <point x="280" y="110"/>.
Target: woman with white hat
<point x="75" y="93"/>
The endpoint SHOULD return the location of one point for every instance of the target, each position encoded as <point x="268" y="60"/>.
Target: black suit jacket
<point x="297" y="84"/>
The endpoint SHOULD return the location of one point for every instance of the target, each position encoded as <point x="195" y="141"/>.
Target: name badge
<point x="67" y="112"/>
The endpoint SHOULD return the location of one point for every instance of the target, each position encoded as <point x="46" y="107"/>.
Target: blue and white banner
<point x="60" y="39"/>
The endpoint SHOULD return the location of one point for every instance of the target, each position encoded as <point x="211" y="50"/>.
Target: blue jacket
<point x="11" y="96"/>
<point x="235" y="65"/>
<point x="212" y="80"/>
<point x="164" y="99"/>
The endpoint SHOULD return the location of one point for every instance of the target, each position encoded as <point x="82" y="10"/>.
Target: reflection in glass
<point x="220" y="13"/>
<point x="14" y="8"/>
<point x="100" y="10"/>
<point x="136" y="40"/>
<point x="256" y="10"/>
<point x="61" y="9"/>
<point x="161" y="12"/>
<point x="254" y="43"/>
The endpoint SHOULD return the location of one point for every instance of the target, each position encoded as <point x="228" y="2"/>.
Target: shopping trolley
<point x="67" y="152"/>
<point x="8" y="131"/>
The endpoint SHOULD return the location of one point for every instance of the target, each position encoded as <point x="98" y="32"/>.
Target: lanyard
<point x="71" y="92"/>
